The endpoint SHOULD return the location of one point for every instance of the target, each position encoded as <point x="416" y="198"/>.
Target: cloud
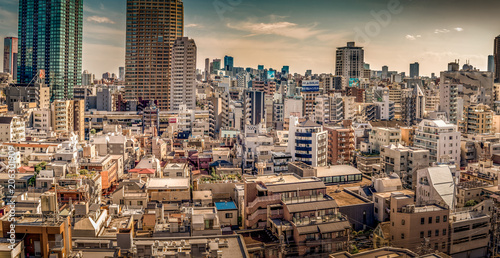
<point x="412" y="37"/>
<point x="438" y="31"/>
<point x="459" y="29"/>
<point x="283" y="28"/>
<point x="99" y="19"/>
<point x="192" y="25"/>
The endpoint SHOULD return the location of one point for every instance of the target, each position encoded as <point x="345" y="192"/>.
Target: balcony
<point x="262" y="202"/>
<point x="303" y="134"/>
<point x="304" y="156"/>
<point x="303" y="142"/>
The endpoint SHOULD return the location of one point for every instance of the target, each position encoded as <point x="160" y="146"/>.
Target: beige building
<point x="68" y="116"/>
<point x="176" y="170"/>
<point x="478" y="119"/>
<point x="469" y="231"/>
<point x="42" y="120"/>
<point x="415" y="226"/>
<point x="404" y="161"/>
<point x="12" y="129"/>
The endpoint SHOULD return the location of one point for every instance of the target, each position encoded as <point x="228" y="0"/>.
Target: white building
<point x="292" y="107"/>
<point x="322" y="110"/>
<point x="441" y="139"/>
<point x="257" y="148"/>
<point x="436" y="184"/>
<point x="12" y="129"/>
<point x="383" y="136"/>
<point x="349" y="107"/>
<point x="307" y="142"/>
<point x="183" y="82"/>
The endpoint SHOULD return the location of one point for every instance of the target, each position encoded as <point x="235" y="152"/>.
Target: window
<point x="479" y="225"/>
<point x="229" y="215"/>
<point x="476" y="237"/>
<point x="437" y="232"/>
<point x="430" y="220"/>
<point x="444" y="232"/>
<point x="445" y="218"/>
<point x="402" y="235"/>
<point x="422" y="221"/>
<point x="139" y="202"/>
<point x="421" y="234"/>
<point x="435" y="246"/>
<point x="443" y="245"/>
<point x="461" y="229"/>
<point x="429" y="233"/>
<point x="461" y="240"/>
<point x="437" y="219"/>
<point x="402" y="222"/>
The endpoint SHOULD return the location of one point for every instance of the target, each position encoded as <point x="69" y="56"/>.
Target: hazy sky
<point x="304" y="34"/>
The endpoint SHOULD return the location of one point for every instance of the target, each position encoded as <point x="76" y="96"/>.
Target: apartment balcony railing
<point x="261" y="202"/>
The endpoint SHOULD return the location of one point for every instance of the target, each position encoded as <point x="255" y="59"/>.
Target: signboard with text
<point x="310" y="85"/>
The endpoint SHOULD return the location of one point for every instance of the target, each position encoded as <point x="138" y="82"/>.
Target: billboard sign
<point x="310" y="85"/>
<point x="353" y="82"/>
<point x="271" y="75"/>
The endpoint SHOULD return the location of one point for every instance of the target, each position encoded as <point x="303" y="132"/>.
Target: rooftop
<point x="168" y="183"/>
<point x="278" y="179"/>
<point x="225" y="206"/>
<point x="345" y="198"/>
<point x="337" y="171"/>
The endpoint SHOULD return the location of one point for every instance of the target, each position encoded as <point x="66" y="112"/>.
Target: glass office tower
<point x="50" y="42"/>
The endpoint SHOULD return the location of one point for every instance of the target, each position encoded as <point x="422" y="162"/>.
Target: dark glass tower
<point x="228" y="63"/>
<point x="50" y="39"/>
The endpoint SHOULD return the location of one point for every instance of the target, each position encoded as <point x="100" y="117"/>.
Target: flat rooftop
<point x="277" y="179"/>
<point x="340" y="170"/>
<point x="388" y="194"/>
<point x="344" y="198"/>
<point x="364" y="182"/>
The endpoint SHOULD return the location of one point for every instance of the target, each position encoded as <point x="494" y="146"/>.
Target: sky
<point x="303" y="34"/>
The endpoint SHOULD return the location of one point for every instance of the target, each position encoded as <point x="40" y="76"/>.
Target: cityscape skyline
<point x="275" y="36"/>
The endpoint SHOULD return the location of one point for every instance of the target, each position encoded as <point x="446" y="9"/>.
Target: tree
<point x="470" y="203"/>
<point x="92" y="131"/>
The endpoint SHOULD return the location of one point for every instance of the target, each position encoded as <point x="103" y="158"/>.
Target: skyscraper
<point x="183" y="84"/>
<point x="121" y="73"/>
<point x="497" y="59"/>
<point x="207" y="69"/>
<point x="152" y="28"/>
<point x="50" y="39"/>
<point x="385" y="72"/>
<point x="215" y="66"/>
<point x="491" y="64"/>
<point x="10" y="56"/>
<point x="228" y="63"/>
<point x="254" y="108"/>
<point x="414" y="70"/>
<point x="349" y="61"/>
